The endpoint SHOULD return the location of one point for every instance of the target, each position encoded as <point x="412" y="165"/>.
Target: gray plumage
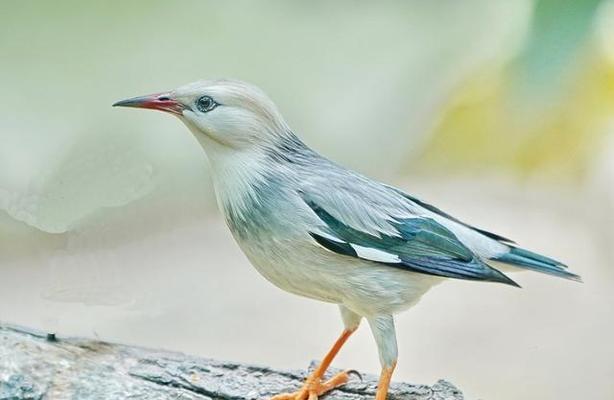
<point x="353" y="210"/>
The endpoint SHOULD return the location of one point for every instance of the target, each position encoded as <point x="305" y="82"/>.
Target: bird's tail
<point x="536" y="262"/>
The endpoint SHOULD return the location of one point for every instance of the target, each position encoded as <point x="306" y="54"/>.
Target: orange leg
<point x="314" y="386"/>
<point x="384" y="382"/>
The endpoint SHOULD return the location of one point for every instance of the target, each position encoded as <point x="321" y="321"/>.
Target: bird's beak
<point x="158" y="101"/>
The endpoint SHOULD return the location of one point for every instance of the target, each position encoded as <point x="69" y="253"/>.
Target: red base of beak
<point x="158" y="101"/>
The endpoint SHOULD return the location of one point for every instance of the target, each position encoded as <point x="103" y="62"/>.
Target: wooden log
<point x="32" y="367"/>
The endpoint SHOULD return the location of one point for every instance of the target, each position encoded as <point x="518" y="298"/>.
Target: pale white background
<point x="108" y="227"/>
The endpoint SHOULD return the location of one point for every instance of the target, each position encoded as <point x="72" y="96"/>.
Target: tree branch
<point x="35" y="368"/>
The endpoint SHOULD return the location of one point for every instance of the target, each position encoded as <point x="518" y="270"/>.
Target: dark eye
<point x="205" y="104"/>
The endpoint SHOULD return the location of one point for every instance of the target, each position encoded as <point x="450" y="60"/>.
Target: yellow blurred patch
<point x="487" y="125"/>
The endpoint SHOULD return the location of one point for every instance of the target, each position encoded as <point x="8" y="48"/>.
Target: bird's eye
<point x="205" y="104"/>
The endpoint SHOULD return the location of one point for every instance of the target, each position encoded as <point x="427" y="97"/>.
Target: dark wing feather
<point x="423" y="245"/>
<point x="438" y="211"/>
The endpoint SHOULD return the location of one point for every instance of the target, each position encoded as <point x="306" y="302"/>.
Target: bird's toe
<point x="314" y="388"/>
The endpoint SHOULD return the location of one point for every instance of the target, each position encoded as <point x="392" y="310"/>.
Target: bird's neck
<point x="242" y="176"/>
<point x="236" y="173"/>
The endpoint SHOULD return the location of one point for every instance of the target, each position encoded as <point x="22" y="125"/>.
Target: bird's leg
<point x="383" y="330"/>
<point x="313" y="386"/>
<point x="384" y="382"/>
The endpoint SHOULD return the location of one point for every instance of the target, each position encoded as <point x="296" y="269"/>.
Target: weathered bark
<point x="35" y="368"/>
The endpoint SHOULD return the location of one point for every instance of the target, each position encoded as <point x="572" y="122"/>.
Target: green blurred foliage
<point x="544" y="112"/>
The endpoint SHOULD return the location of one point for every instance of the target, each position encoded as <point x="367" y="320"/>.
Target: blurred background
<point x="500" y="112"/>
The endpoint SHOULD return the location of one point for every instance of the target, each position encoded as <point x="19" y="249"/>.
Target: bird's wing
<point x="379" y="225"/>
<point x="436" y="210"/>
<point x="512" y="254"/>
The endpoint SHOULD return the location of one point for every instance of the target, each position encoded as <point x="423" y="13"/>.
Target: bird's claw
<point x="354" y="372"/>
<point x="313" y="387"/>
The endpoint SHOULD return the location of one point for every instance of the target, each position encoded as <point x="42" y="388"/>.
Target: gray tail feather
<point x="536" y="262"/>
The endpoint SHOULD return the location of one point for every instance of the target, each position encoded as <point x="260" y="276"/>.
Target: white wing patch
<point x="330" y="237"/>
<point x="473" y="240"/>
<point x="371" y="254"/>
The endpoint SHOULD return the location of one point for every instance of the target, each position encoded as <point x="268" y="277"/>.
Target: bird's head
<point x="227" y="113"/>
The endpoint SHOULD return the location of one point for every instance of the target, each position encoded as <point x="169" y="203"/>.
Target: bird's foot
<point x="314" y="387"/>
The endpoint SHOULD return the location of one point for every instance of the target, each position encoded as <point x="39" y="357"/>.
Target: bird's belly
<point x="295" y="276"/>
<point x="365" y="287"/>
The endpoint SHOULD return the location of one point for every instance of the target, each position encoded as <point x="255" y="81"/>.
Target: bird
<point x="319" y="230"/>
